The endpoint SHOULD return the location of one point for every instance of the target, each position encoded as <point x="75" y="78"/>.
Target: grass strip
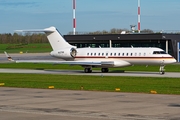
<point x="169" y="68"/>
<point x="29" y="48"/>
<point x="92" y="83"/>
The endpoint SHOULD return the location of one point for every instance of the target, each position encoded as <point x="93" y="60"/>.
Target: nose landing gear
<point x="162" y="70"/>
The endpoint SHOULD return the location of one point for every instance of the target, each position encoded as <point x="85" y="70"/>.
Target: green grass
<point x="30" y="48"/>
<point x="169" y="68"/>
<point x="93" y="83"/>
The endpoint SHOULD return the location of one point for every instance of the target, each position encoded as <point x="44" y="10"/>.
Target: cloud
<point x="18" y="3"/>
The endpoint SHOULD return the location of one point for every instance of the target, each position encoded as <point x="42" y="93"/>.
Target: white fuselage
<point x="147" y="56"/>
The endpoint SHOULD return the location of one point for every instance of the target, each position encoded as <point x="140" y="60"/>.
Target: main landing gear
<point x="104" y="70"/>
<point x="89" y="70"/>
<point x="162" y="70"/>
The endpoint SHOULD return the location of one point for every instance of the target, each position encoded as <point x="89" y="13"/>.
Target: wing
<point x="119" y="63"/>
<point x="60" y="62"/>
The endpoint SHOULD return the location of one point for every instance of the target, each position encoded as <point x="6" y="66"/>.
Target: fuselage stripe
<point x="124" y="57"/>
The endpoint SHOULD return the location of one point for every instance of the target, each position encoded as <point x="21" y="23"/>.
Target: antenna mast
<point x="139" y="24"/>
<point x="74" y="17"/>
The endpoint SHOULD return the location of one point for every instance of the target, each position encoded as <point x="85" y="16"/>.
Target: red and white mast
<point x="139" y="24"/>
<point x="74" y="17"/>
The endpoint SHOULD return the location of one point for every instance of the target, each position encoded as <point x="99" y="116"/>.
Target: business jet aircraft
<point x="103" y="58"/>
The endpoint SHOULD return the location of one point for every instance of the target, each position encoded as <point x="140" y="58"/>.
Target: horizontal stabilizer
<point x="50" y="29"/>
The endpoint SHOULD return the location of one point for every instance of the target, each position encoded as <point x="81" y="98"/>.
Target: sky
<point x="91" y="15"/>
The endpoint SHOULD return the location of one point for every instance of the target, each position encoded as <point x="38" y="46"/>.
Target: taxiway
<point x="44" y="104"/>
<point x="96" y="73"/>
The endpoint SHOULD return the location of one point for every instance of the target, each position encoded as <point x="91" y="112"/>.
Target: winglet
<point x="9" y="57"/>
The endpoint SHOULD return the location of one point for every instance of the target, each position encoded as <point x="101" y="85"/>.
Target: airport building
<point x="168" y="42"/>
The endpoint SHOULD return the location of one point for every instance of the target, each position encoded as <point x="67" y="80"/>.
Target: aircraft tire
<point x="104" y="70"/>
<point x="87" y="70"/>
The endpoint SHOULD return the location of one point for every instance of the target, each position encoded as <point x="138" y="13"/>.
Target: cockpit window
<point x="163" y="52"/>
<point x="159" y="52"/>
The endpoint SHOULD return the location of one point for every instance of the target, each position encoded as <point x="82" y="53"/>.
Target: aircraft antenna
<point x="74" y="17"/>
<point x="139" y="24"/>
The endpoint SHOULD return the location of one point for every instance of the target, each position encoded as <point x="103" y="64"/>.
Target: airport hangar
<point x="168" y="42"/>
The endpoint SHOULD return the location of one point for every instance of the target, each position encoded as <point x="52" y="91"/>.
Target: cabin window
<point x="119" y="54"/>
<point x="102" y="54"/>
<point x="87" y="53"/>
<point x="131" y="54"/>
<point x="106" y="54"/>
<point x="111" y="54"/>
<point x="94" y="54"/>
<point x="99" y="54"/>
<point x="123" y="54"/>
<point x="127" y="54"/>
<point x="144" y="54"/>
<point x="91" y="54"/>
<point x="139" y="54"/>
<point x="114" y="54"/>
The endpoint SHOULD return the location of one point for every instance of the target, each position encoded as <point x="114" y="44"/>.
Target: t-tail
<point x="55" y="38"/>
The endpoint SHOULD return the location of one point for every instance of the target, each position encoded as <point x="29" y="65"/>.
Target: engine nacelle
<point x="66" y="54"/>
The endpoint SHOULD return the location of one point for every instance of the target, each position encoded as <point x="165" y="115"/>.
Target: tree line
<point x="8" y="38"/>
<point x="113" y="31"/>
<point x="15" y="38"/>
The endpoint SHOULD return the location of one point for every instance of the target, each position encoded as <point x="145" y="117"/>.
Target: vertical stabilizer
<point x="55" y="39"/>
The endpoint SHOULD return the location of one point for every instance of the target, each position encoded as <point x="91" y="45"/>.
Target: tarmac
<point x="94" y="73"/>
<point x="45" y="104"/>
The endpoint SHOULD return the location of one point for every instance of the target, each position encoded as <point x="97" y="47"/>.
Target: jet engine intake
<point x="73" y="52"/>
<point x="66" y="54"/>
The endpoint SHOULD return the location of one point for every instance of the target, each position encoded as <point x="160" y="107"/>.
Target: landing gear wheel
<point x="87" y="70"/>
<point x="104" y="70"/>
<point x="163" y="72"/>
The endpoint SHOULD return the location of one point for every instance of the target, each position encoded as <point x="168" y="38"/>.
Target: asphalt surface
<point x="43" y="104"/>
<point x="96" y="73"/>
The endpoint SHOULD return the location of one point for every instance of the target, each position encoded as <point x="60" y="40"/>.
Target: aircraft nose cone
<point x="174" y="61"/>
<point x="170" y="61"/>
